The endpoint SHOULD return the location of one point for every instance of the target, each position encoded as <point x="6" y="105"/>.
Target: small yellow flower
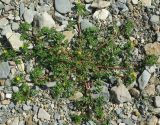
<point x="79" y="52"/>
<point x="17" y="78"/>
<point x="5" y="51"/>
<point x="133" y="74"/>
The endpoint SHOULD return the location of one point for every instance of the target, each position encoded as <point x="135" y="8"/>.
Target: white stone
<point x="15" y="121"/>
<point x="8" y="96"/>
<point x="157" y="101"/>
<point x="29" y="15"/>
<point x="146" y="3"/>
<point x="120" y="94"/>
<point x="144" y="79"/>
<point x="135" y="1"/>
<point x="14" y="40"/>
<point x="100" y="4"/>
<point x="3" y="22"/>
<point x="42" y="114"/>
<point x="21" y="66"/>
<point x="6" y="29"/>
<point x="45" y="20"/>
<point x="101" y="14"/>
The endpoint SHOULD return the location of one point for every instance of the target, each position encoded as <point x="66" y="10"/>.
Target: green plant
<point x="76" y="118"/>
<point x="23" y="94"/>
<point x="18" y="79"/>
<point x="150" y="60"/>
<point x="128" y="28"/>
<point x="80" y="7"/>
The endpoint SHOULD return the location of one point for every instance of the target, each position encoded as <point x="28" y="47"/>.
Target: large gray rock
<point x="158" y="37"/>
<point x="3" y="22"/>
<point x="63" y="6"/>
<point x="4" y="70"/>
<point x="21" y="9"/>
<point x="6" y="29"/>
<point x="14" y="40"/>
<point x="44" y="20"/>
<point x="120" y="94"/>
<point x="1" y="6"/>
<point x="86" y="24"/>
<point x="42" y="114"/>
<point x="144" y="79"/>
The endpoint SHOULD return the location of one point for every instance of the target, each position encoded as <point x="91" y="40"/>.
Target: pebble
<point x="4" y="70"/>
<point x="29" y="15"/>
<point x="157" y="101"/>
<point x="154" y="19"/>
<point x="1" y="6"/>
<point x="6" y="1"/>
<point x="101" y="14"/>
<point x="77" y="95"/>
<point x="88" y="1"/>
<point x="68" y="36"/>
<point x="86" y="24"/>
<point x="15" y="121"/>
<point x="26" y="107"/>
<point x="42" y="114"/>
<point x="158" y="37"/>
<point x="63" y="6"/>
<point x="5" y="102"/>
<point x="8" y="96"/>
<point x="14" y="40"/>
<point x="15" y="26"/>
<point x="100" y="4"/>
<point x="158" y="89"/>
<point x="144" y="79"/>
<point x="146" y="3"/>
<point x="3" y="22"/>
<point x="120" y="94"/>
<point x="2" y="96"/>
<point x="21" y="9"/>
<point x="6" y="29"/>
<point x="134" y="92"/>
<point x="44" y="20"/>
<point x="152" y="48"/>
<point x="152" y="121"/>
<point x="135" y="1"/>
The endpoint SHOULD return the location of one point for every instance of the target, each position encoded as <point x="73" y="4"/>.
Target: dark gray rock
<point x="63" y="6"/>
<point x="4" y="70"/>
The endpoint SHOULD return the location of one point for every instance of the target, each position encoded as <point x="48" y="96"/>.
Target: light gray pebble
<point x="63" y="6"/>
<point x="1" y="6"/>
<point x="86" y="24"/>
<point x="157" y="101"/>
<point x="29" y="15"/>
<point x="154" y="19"/>
<point x="26" y="107"/>
<point x="11" y="105"/>
<point x="15" y="89"/>
<point x="6" y="29"/>
<point x="21" y="9"/>
<point x="15" y="26"/>
<point x="4" y="70"/>
<point x="158" y="37"/>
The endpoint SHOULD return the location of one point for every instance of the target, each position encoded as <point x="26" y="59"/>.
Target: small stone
<point x="63" y="6"/>
<point x="15" y="121"/>
<point x="14" y="40"/>
<point x="144" y="79"/>
<point x="100" y="4"/>
<point x="44" y="20"/>
<point x="2" y="96"/>
<point x="152" y="121"/>
<point x="77" y="95"/>
<point x="158" y="89"/>
<point x="5" y="102"/>
<point x="134" y="92"/>
<point x="15" y="26"/>
<point x="20" y="65"/>
<point x="88" y="1"/>
<point x="122" y="7"/>
<point x="6" y="29"/>
<point x="2" y="82"/>
<point x="22" y="123"/>
<point x="135" y="1"/>
<point x="3" y="22"/>
<point x="101" y="14"/>
<point x="29" y="15"/>
<point x="8" y="96"/>
<point x="154" y="19"/>
<point x="158" y="37"/>
<point x="4" y="70"/>
<point x="120" y="94"/>
<point x="152" y="48"/>
<point x="150" y="90"/>
<point x="157" y="101"/>
<point x="26" y="107"/>
<point x="21" y="9"/>
<point x="42" y="114"/>
<point x="1" y="6"/>
<point x="146" y="3"/>
<point x="6" y="1"/>
<point x="86" y="24"/>
<point x="68" y="36"/>
<point x="11" y="17"/>
<point x="51" y="84"/>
